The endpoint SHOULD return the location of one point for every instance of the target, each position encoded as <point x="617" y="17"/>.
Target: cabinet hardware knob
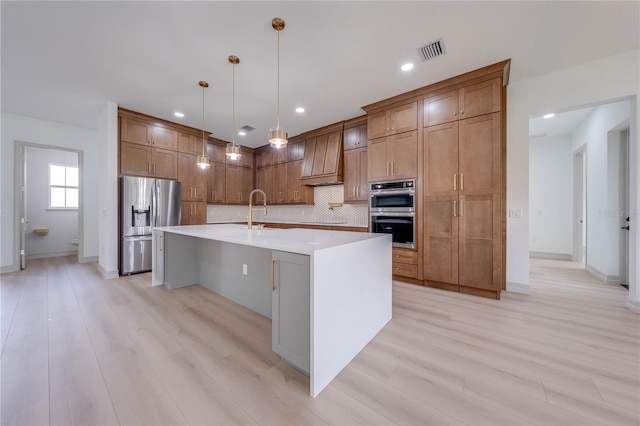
<point x="455" y="114"/>
<point x="455" y="176"/>
<point x="160" y="244"/>
<point x="461" y="111"/>
<point x="154" y="167"/>
<point x="393" y="171"/>
<point x="454" y="208"/>
<point x="149" y="167"/>
<point x="461" y="181"/>
<point x="461" y="208"/>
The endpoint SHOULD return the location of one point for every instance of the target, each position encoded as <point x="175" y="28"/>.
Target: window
<point x="63" y="187"/>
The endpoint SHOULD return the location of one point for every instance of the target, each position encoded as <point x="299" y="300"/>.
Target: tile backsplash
<point x="347" y="214"/>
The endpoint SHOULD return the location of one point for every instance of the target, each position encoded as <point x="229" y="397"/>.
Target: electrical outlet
<point x="244" y="269"/>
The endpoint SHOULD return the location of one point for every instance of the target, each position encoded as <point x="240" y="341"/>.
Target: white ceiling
<point x="562" y="123"/>
<point x="62" y="60"/>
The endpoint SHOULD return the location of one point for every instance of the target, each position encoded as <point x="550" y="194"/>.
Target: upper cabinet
<point x="323" y="159"/>
<point x="355" y="137"/>
<point x="142" y="133"/>
<point x="466" y="102"/>
<point x="403" y="118"/>
<point x="393" y="157"/>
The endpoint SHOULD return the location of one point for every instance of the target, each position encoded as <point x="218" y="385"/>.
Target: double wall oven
<point x="393" y="211"/>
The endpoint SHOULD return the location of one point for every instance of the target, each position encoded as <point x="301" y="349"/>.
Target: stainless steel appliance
<point x="144" y="203"/>
<point x="392" y="208"/>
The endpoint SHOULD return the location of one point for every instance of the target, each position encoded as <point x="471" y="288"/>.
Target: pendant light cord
<point x="203" y="144"/>
<point x="278" y="85"/>
<point x="233" y="106"/>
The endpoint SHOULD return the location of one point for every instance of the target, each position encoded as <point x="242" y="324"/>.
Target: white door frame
<point x="19" y="169"/>
<point x="579" y="199"/>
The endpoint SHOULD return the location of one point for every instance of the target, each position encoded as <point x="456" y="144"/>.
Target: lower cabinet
<point x="405" y="262"/>
<point x="193" y="213"/>
<point x="290" y="308"/>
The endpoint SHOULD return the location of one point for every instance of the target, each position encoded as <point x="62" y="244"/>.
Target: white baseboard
<point x="552" y="256"/>
<point x="8" y="269"/>
<point x="613" y="279"/>
<point x="596" y="273"/>
<point x="108" y="275"/>
<point x="633" y="305"/>
<point x="518" y="287"/>
<point x="91" y="259"/>
<point x="54" y="254"/>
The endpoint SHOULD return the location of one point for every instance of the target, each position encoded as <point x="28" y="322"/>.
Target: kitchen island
<point x="328" y="293"/>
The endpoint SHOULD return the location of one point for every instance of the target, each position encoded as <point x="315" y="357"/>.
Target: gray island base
<point x="328" y="293"/>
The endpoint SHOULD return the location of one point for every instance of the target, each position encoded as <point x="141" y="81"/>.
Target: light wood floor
<point x="77" y="349"/>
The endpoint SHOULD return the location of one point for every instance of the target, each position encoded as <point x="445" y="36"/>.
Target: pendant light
<point x="203" y="161"/>
<point x="233" y="151"/>
<point x="277" y="136"/>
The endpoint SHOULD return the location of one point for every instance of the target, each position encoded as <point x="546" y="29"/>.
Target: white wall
<point x="612" y="78"/>
<point x="551" y="196"/>
<point x="108" y="189"/>
<point x="601" y="224"/>
<point x="62" y="224"/>
<point x="17" y="128"/>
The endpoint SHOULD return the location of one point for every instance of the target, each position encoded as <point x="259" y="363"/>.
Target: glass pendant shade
<point x="277" y="138"/>
<point x="233" y="151"/>
<point x="203" y="162"/>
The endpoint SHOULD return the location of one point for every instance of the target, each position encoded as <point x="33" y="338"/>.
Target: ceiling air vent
<point x="432" y="50"/>
<point x="247" y="128"/>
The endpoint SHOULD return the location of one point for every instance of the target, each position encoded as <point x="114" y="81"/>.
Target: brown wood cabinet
<point x="393" y="157"/>
<point x="462" y="220"/>
<point x="143" y="133"/>
<point x="355" y="137"/>
<point x="193" y="179"/>
<point x="295" y="151"/>
<point x="404" y="262"/>
<point x="216" y="152"/>
<point x="279" y="184"/>
<point x="139" y="160"/>
<point x="239" y="184"/>
<point x="466" y="102"/>
<point x="395" y="120"/>
<point x="356" y="184"/>
<point x="216" y="186"/>
<point x="191" y="144"/>
<point x="297" y="193"/>
<point x="194" y="213"/>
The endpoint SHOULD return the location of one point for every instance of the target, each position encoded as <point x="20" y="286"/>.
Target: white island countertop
<point x="294" y="240"/>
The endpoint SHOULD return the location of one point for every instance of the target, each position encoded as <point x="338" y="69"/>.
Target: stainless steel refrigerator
<point x="144" y="204"/>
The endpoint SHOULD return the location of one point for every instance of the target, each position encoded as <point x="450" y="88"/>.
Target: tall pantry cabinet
<point x="460" y="179"/>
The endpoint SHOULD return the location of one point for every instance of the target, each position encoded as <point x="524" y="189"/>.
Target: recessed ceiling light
<point x="548" y="115"/>
<point x="178" y="114"/>
<point x="242" y="133"/>
<point x="299" y="110"/>
<point x="407" y="67"/>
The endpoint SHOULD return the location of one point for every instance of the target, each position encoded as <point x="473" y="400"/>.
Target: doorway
<point x="49" y="202"/>
<point x="618" y="177"/>
<point x="579" y="253"/>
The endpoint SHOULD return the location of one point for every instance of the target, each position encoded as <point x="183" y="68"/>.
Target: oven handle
<point x="393" y="214"/>
<point x="392" y="192"/>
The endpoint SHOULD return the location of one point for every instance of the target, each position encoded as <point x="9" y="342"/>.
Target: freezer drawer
<point x="136" y="254"/>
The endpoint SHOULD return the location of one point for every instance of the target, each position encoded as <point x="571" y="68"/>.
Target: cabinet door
<point x="378" y="125"/>
<point x="189" y="144"/>
<point x="264" y="158"/>
<point x="403" y="150"/>
<point x="134" y="131"/>
<point x="280" y="155"/>
<point x="246" y="176"/>
<point x="479" y="99"/>
<point x="135" y="159"/>
<point x="296" y="151"/>
<point x="351" y="138"/>
<point x="280" y="183"/>
<point x="440" y="153"/>
<point x="351" y="175"/>
<point x="403" y="118"/>
<point x="297" y="193"/>
<point x="165" y="163"/>
<point x="480" y="155"/>
<point x="440" y="228"/>
<point x="363" y="136"/>
<point x="247" y="159"/>
<point x="363" y="181"/>
<point x="318" y="158"/>
<point x="290" y="308"/>
<point x="186" y="166"/>
<point x="441" y="108"/>
<point x="216" y="152"/>
<point x="216" y="186"/>
<point x="200" y="178"/>
<point x="378" y="160"/>
<point x="309" y="155"/>
<point x="480" y="242"/>
<point x="193" y="213"/>
<point x="264" y="181"/>
<point x="332" y="155"/>
<point x="233" y="178"/>
<point x="164" y="138"/>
